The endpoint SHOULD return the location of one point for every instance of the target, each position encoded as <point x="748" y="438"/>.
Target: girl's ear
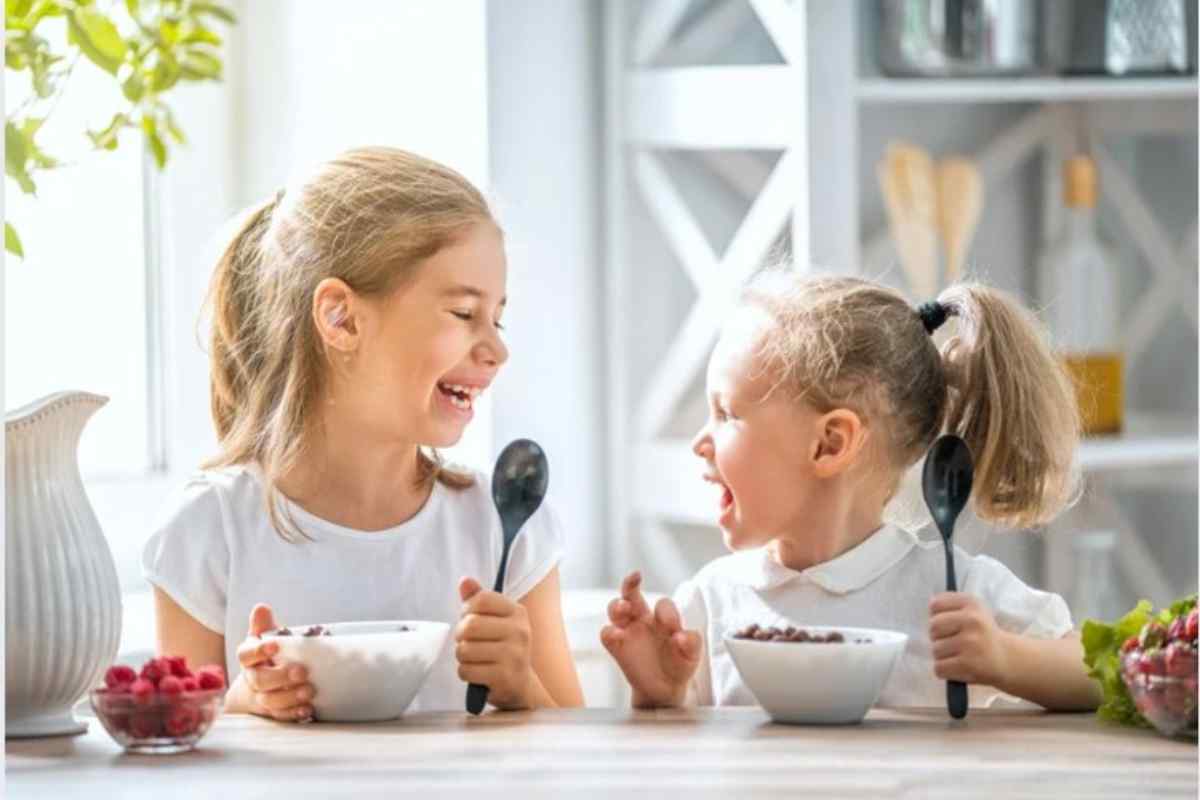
<point x="840" y="435"/>
<point x="335" y="314"/>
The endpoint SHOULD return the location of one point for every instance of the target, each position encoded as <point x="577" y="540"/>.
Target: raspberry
<point x="177" y="666"/>
<point x="182" y="720"/>
<point x="119" y="674"/>
<point x="143" y="691"/>
<point x="211" y="676"/>
<point x="1189" y="627"/>
<point x="143" y="725"/>
<point x="1152" y="663"/>
<point x="190" y="684"/>
<point x="1129" y="644"/>
<point x="170" y="686"/>
<point x="1180" y="661"/>
<point x="155" y="670"/>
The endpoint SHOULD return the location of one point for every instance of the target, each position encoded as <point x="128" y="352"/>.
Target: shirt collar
<point x="847" y="573"/>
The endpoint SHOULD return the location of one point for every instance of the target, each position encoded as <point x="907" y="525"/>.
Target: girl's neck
<point x="839" y="521"/>
<point x="349" y="477"/>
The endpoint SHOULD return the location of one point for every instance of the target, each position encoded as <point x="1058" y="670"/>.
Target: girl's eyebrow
<point x="461" y="290"/>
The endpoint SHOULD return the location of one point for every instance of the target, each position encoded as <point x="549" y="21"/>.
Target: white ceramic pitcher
<point x="62" y="598"/>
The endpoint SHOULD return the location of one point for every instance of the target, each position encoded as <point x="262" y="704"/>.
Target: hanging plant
<point x="147" y="46"/>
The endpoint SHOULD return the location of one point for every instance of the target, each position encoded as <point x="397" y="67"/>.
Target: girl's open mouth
<point x="459" y="396"/>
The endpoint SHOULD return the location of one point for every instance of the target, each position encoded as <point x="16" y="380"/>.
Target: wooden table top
<point x="722" y="752"/>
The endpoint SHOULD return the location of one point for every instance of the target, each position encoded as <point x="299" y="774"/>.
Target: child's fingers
<point x="631" y="592"/>
<point x="490" y="603"/>
<point x="620" y="612"/>
<point x="945" y="624"/>
<point x="261" y="620"/>
<point x="946" y="648"/>
<point x="481" y="628"/>
<point x="667" y="616"/>
<point x="687" y="645"/>
<point x="482" y="674"/>
<point x="948" y="601"/>
<point x="471" y="652"/>
<point x="251" y="652"/>
<point x="270" y="679"/>
<point x="612" y="638"/>
<point x="468" y="588"/>
<point x="285" y="699"/>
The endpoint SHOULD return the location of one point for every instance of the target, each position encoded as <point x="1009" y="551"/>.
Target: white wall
<point x="544" y="124"/>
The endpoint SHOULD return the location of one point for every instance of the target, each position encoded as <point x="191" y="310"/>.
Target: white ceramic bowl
<point x="364" y="671"/>
<point x="818" y="684"/>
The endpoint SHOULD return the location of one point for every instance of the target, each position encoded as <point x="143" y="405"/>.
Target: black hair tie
<point x="932" y="315"/>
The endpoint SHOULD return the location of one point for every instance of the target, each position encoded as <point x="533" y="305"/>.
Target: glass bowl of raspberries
<point x="1158" y="667"/>
<point x="163" y="708"/>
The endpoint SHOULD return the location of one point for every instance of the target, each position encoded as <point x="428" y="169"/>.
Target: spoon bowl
<point x="946" y="484"/>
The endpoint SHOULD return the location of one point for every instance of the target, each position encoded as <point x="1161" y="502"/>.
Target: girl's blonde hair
<point x="848" y="343"/>
<point x="368" y="217"/>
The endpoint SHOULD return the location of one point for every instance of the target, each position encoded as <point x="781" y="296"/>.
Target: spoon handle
<point x="956" y="691"/>
<point x="477" y="694"/>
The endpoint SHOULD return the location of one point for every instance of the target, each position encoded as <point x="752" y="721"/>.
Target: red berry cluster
<point x="165" y="699"/>
<point x="1159" y="666"/>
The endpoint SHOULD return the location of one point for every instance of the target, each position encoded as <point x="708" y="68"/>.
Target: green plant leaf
<point x="168" y="30"/>
<point x="214" y="10"/>
<point x="106" y="139"/>
<point x="12" y="242"/>
<point x="16" y="157"/>
<point x="133" y="86"/>
<point x="173" y="127"/>
<point x="17" y="8"/>
<point x="132" y="7"/>
<point x="154" y="141"/>
<point x="166" y="72"/>
<point x="97" y="39"/>
<point x="201" y="35"/>
<point x="201" y="66"/>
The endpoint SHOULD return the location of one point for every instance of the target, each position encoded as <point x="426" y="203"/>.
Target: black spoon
<point x="518" y="486"/>
<point x="946" y="484"/>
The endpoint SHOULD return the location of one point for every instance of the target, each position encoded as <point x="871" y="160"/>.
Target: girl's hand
<point x="494" y="643"/>
<point x="968" y="646"/>
<point x="656" y="654"/>
<point x="279" y="691"/>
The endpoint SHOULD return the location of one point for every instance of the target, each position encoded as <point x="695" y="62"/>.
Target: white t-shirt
<point x="217" y="555"/>
<point x="885" y="582"/>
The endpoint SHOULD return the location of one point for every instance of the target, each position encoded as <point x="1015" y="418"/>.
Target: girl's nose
<point x="702" y="443"/>
<point x="492" y="351"/>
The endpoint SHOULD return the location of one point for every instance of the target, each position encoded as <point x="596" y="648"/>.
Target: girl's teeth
<point x="461" y="402"/>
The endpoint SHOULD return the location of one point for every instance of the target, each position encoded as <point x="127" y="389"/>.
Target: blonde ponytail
<point x="1011" y="400"/>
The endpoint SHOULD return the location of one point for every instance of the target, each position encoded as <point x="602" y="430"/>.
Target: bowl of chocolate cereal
<point x="815" y="675"/>
<point x="362" y="671"/>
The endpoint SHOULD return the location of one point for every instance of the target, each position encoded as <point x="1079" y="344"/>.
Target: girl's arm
<point x="1048" y="672"/>
<point x="555" y="681"/>
<point x="179" y="634"/>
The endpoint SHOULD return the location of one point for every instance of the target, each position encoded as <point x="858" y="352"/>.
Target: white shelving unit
<point x="813" y="103"/>
<point x="1023" y="90"/>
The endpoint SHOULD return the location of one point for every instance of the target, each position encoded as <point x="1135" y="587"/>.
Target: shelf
<point x="1023" y="90"/>
<point x="1147" y="442"/>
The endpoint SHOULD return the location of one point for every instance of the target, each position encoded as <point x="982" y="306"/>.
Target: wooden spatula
<point x="960" y="202"/>
<point x="907" y="180"/>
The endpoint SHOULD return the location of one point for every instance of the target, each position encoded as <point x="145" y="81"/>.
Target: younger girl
<point x="356" y="321"/>
<point x="823" y="392"/>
